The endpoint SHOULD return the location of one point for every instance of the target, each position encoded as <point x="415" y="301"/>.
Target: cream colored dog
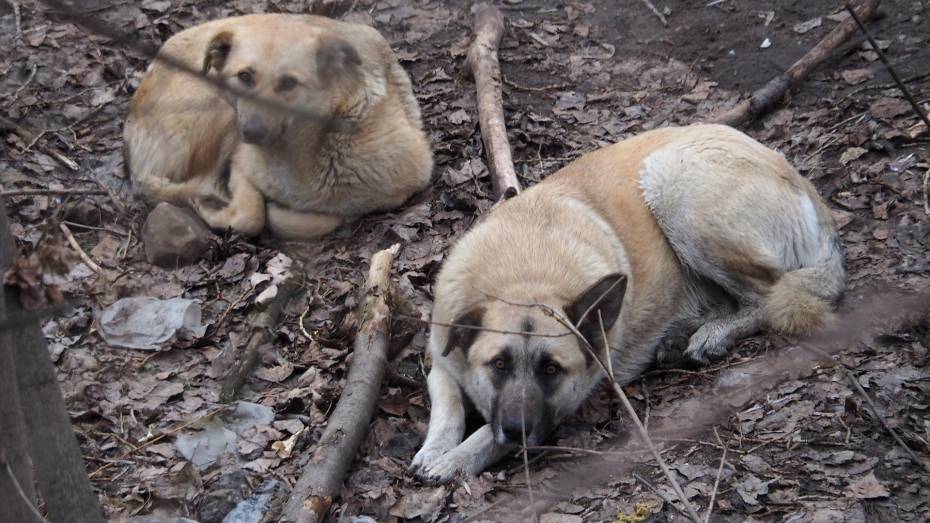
<point x="697" y="230"/>
<point x="244" y="165"/>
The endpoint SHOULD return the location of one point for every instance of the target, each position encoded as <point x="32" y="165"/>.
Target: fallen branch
<point x="322" y="476"/>
<point x="733" y="391"/>
<point x="891" y="70"/>
<point x="262" y="326"/>
<point x="52" y="192"/>
<point x="91" y="264"/>
<point x="656" y="12"/>
<point x="763" y="99"/>
<point x="482" y="61"/>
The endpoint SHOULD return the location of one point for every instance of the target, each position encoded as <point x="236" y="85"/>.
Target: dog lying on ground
<point x="697" y="233"/>
<point x="245" y="166"/>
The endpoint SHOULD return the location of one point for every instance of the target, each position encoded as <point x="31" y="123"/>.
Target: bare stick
<point x="262" y="327"/>
<point x="158" y="438"/>
<point x="713" y="494"/>
<point x="888" y="66"/>
<point x="485" y="68"/>
<point x="91" y="264"/>
<point x="17" y="18"/>
<point x="631" y="412"/>
<point x="868" y="399"/>
<point x="763" y="99"/>
<point x="661" y="495"/>
<point x="926" y="197"/>
<point x="322" y="476"/>
<point x="95" y="25"/>
<point x="52" y="192"/>
<point x="656" y="12"/>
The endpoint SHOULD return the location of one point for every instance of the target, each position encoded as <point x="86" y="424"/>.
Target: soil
<point x="578" y="75"/>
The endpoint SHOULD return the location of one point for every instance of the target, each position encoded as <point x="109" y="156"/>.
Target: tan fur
<point x="299" y="179"/>
<point x="702" y="225"/>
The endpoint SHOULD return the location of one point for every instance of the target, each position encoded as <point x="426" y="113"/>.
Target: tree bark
<point x="771" y="93"/>
<point x="55" y="455"/>
<point x="322" y="476"/>
<point x="485" y="68"/>
<point x="14" y="446"/>
<point x="262" y="326"/>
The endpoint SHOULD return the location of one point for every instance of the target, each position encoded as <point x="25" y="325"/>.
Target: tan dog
<point x="243" y="165"/>
<point x="697" y="231"/>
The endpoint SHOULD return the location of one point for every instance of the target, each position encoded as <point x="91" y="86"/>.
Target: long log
<point x="322" y="476"/>
<point x="771" y="93"/>
<point x="485" y="69"/>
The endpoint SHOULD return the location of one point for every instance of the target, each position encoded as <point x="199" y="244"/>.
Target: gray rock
<point x="174" y="236"/>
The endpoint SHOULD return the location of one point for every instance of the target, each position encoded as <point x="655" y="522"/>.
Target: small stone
<point x="174" y="236"/>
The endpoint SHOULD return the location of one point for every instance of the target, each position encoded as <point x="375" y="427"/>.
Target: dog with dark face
<point x="697" y="233"/>
<point x="247" y="165"/>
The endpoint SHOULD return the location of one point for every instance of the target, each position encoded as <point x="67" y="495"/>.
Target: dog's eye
<point x="499" y="363"/>
<point x="287" y="83"/>
<point x="552" y="369"/>
<point x="246" y="78"/>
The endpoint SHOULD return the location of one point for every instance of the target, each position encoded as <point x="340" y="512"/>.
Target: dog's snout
<point x="513" y="429"/>
<point x="253" y="131"/>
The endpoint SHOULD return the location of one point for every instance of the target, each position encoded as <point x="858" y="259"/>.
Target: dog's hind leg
<point x="297" y="225"/>
<point x="243" y="213"/>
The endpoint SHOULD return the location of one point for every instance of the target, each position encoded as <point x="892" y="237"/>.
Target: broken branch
<point x="764" y="98"/>
<point x="262" y="326"/>
<point x="485" y="68"/>
<point x="322" y="475"/>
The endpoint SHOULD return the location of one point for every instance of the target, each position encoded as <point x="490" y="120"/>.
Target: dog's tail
<point x="802" y="300"/>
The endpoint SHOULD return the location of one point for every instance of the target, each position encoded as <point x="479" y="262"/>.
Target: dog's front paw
<point x="445" y="467"/>
<point x="426" y="455"/>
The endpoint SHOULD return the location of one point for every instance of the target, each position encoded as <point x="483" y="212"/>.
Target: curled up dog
<point x="674" y="244"/>
<point x="246" y="165"/>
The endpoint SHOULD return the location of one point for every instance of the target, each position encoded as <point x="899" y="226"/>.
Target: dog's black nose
<point x="253" y="132"/>
<point x="513" y="430"/>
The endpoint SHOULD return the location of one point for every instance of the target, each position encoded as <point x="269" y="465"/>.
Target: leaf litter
<point x="578" y="77"/>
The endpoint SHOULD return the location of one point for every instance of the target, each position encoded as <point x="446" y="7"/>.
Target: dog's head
<point x="296" y="68"/>
<point x="525" y="370"/>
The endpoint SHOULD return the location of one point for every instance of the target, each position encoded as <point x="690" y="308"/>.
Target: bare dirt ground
<point x="578" y="74"/>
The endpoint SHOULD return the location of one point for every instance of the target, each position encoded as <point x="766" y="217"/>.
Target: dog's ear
<point x="335" y="57"/>
<point x="217" y="51"/>
<point x="604" y="297"/>
<point x="460" y="335"/>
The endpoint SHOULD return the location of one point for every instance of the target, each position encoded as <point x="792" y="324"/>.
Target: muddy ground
<point x="578" y="74"/>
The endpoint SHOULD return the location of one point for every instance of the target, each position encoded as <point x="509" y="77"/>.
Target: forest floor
<point x="578" y="76"/>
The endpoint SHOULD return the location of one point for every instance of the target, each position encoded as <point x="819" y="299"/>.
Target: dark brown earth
<point x="578" y="75"/>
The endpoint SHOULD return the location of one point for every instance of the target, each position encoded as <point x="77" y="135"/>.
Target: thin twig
<point x="158" y="438"/>
<point x="926" y="198"/>
<point x="578" y="450"/>
<point x="17" y="18"/>
<point x="51" y="192"/>
<point x="526" y="460"/>
<point x="95" y="25"/>
<point x="20" y="89"/>
<point x="301" y="322"/>
<point x="91" y="264"/>
<point x="22" y="494"/>
<point x="889" y="67"/>
<point x="656" y="12"/>
<point x="713" y="494"/>
<point x="871" y="404"/>
<point x="631" y="412"/>
<point x="661" y="495"/>
<point x="480" y="328"/>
